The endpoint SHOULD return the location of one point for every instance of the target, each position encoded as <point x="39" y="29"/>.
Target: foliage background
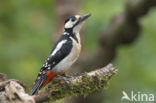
<point x="26" y="28"/>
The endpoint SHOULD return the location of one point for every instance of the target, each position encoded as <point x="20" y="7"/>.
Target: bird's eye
<point x="73" y="19"/>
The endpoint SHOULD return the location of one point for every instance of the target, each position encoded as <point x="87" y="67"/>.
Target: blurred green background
<point x="26" y="29"/>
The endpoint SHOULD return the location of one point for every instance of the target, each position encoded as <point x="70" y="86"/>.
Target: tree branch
<point x="12" y="91"/>
<point x="82" y="84"/>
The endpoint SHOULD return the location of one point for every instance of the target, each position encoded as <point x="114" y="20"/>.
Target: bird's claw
<point x="62" y="80"/>
<point x="66" y="75"/>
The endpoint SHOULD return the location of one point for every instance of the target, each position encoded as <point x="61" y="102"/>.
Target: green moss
<point x="84" y="86"/>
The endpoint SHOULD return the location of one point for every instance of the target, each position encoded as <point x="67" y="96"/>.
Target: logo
<point x="137" y="97"/>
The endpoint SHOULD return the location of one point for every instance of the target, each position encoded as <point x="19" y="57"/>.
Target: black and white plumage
<point x="64" y="53"/>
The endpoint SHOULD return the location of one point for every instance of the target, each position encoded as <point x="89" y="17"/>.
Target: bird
<point x="64" y="53"/>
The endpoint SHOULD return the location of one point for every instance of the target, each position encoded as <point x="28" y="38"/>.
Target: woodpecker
<point x="64" y="53"/>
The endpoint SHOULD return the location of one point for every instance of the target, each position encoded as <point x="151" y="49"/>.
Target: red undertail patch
<point x="49" y="78"/>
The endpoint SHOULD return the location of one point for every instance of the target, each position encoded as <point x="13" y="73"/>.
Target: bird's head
<point x="74" y="23"/>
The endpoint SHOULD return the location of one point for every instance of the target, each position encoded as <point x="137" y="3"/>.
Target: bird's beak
<point x="83" y="18"/>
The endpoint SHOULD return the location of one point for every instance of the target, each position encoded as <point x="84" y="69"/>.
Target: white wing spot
<point x="45" y="65"/>
<point x="71" y="38"/>
<point x="49" y="65"/>
<point x="58" y="47"/>
<point x="43" y="72"/>
<point x="48" y="58"/>
<point x="49" y="68"/>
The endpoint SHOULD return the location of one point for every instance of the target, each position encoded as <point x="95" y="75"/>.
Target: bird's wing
<point x="59" y="52"/>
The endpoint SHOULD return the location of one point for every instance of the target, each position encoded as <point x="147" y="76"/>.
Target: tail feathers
<point x="37" y="85"/>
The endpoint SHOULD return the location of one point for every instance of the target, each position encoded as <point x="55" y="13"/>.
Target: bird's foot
<point x="66" y="75"/>
<point x="62" y="79"/>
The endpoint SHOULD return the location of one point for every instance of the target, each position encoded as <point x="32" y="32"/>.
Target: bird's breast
<point x="66" y="63"/>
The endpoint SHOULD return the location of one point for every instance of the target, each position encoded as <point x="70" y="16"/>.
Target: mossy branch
<point x="81" y="84"/>
<point x="12" y="91"/>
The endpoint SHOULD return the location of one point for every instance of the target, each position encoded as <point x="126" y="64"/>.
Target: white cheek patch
<point x="58" y="47"/>
<point x="70" y="24"/>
